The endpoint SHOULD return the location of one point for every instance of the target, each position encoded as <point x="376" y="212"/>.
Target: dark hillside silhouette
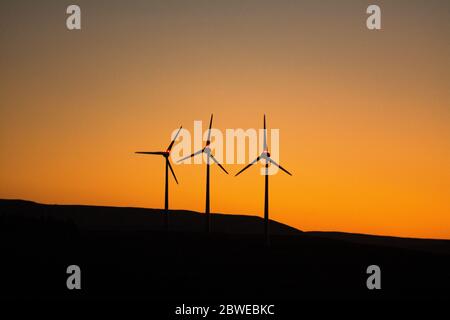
<point x="123" y="218"/>
<point x="126" y="253"/>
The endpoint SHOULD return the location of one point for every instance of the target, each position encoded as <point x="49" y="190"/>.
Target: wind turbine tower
<point x="166" y="155"/>
<point x="265" y="155"/>
<point x="207" y="151"/>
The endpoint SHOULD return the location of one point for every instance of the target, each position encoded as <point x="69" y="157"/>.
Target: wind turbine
<point x="207" y="151"/>
<point x="265" y="155"/>
<point x="166" y="155"/>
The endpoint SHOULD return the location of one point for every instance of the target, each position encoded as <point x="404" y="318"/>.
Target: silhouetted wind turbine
<point x="265" y="155"/>
<point x="166" y="155"/>
<point x="206" y="150"/>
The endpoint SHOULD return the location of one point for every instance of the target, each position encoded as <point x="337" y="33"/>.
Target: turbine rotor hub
<point x="265" y="154"/>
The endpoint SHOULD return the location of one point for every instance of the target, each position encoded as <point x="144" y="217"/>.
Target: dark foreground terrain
<point x="125" y="253"/>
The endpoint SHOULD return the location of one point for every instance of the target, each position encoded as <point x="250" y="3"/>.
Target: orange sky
<point x="363" y="115"/>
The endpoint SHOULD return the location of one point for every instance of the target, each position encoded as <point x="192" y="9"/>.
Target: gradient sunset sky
<point x="364" y="116"/>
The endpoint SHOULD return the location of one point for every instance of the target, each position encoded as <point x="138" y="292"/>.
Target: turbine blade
<point x="209" y="130"/>
<point x="215" y="160"/>
<point x="171" y="169"/>
<point x="247" y="166"/>
<point x="265" y="134"/>
<point x="173" y="141"/>
<point x="151" y="152"/>
<point x="192" y="155"/>
<point x="270" y="160"/>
